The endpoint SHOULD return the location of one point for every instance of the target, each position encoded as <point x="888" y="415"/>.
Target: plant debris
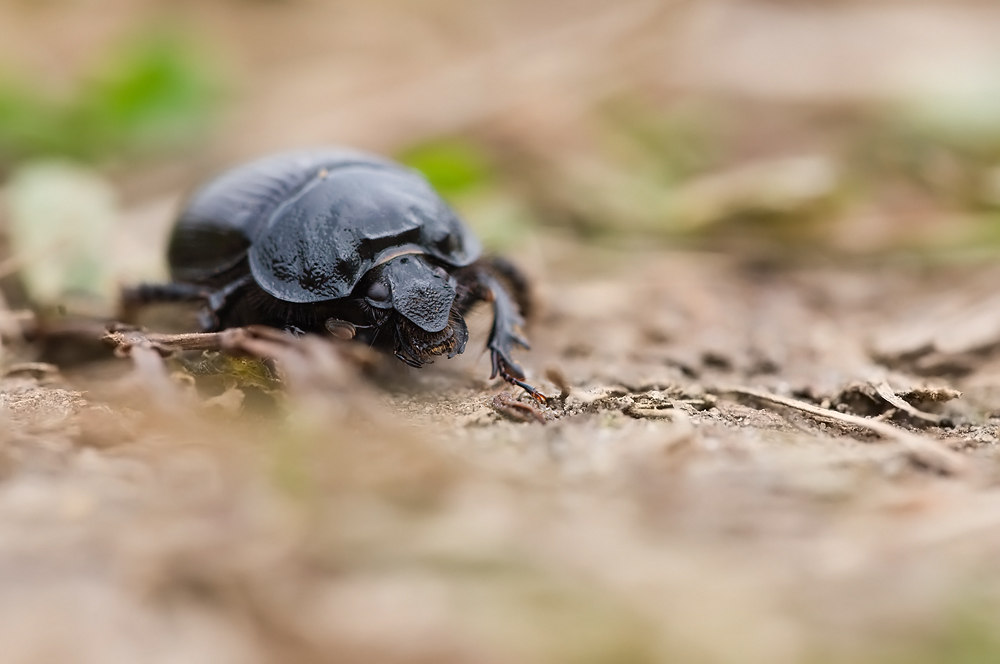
<point x="508" y="406"/>
<point x="925" y="451"/>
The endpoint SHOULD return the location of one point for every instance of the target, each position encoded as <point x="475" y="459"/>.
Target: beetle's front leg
<point x="505" y="334"/>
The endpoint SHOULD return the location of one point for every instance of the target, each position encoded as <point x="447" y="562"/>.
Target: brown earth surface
<point x="658" y="513"/>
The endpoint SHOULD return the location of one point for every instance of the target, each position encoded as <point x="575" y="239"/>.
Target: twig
<point x="254" y="340"/>
<point x="925" y="451"/>
<point x="37" y="368"/>
<point x="890" y="396"/>
<point x="511" y="408"/>
<point x="306" y="364"/>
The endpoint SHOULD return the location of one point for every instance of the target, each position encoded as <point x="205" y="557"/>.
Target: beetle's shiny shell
<point x="311" y="224"/>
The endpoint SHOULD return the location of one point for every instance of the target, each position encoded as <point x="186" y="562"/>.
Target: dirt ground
<point x="654" y="514"/>
<point x="767" y="439"/>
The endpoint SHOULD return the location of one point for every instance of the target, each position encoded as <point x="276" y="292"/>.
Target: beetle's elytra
<point x="345" y="243"/>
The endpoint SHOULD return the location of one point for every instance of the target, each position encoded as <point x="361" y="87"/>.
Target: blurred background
<point x="775" y="128"/>
<point x="705" y="193"/>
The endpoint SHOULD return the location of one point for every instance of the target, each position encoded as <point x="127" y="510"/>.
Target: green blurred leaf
<point x="500" y="220"/>
<point x="967" y="120"/>
<point x="679" y="142"/>
<point x="453" y="166"/>
<point x="153" y="94"/>
<point x="28" y="122"/>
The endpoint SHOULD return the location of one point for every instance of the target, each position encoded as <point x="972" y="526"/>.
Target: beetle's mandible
<point x="345" y="243"/>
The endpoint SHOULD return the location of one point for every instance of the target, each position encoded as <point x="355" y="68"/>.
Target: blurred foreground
<point x="737" y="215"/>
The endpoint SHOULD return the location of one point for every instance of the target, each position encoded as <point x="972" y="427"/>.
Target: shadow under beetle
<point x="346" y="243"/>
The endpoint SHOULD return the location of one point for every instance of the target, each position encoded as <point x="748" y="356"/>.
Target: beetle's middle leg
<point x="172" y="292"/>
<point x="214" y="299"/>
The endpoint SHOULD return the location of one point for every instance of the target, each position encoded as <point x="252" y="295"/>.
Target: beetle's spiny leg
<point x="171" y="292"/>
<point x="519" y="339"/>
<point x="516" y="280"/>
<point x="507" y="321"/>
<point x="214" y="300"/>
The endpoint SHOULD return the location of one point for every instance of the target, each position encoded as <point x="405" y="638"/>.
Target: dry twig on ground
<point x="508" y="406"/>
<point x="923" y="450"/>
<point x="886" y="392"/>
<point x="306" y="364"/>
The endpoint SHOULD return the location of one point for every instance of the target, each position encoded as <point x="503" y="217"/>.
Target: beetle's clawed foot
<point x="501" y="346"/>
<point x="512" y="373"/>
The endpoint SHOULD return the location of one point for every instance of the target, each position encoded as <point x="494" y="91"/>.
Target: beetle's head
<point x="413" y="300"/>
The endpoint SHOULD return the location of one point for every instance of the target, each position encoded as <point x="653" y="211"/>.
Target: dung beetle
<point x="346" y="243"/>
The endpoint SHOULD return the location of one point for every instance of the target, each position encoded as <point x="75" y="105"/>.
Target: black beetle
<point x="343" y="242"/>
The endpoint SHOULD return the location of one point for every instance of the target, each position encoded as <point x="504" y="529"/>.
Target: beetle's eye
<point x="378" y="292"/>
